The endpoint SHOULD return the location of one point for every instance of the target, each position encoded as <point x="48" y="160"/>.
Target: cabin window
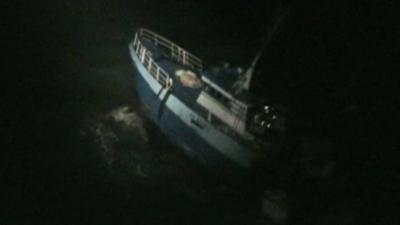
<point x="234" y="107"/>
<point x="217" y="95"/>
<point x="237" y="109"/>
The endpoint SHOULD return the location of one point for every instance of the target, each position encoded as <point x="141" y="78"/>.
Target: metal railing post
<point x="135" y="40"/>
<point x="143" y="55"/>
<point x="150" y="62"/>
<point x="137" y="47"/>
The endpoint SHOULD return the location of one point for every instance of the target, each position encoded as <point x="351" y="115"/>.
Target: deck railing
<point x="153" y="68"/>
<point x="176" y="52"/>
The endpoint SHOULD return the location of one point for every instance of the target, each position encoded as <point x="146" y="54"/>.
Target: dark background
<point x="332" y="64"/>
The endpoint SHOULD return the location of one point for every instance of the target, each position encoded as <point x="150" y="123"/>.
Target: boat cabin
<point x="218" y="99"/>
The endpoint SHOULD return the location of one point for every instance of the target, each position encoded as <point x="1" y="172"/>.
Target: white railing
<point x="170" y="48"/>
<point x="152" y="67"/>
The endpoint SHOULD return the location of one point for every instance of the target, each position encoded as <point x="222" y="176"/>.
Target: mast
<point x="248" y="74"/>
<point x="243" y="83"/>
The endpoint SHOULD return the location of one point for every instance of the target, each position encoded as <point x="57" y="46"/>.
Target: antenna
<point x="244" y="80"/>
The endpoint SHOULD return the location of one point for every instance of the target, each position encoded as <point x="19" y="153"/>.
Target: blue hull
<point x="181" y="134"/>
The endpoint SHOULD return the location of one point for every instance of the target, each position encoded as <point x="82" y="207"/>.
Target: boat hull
<point x="171" y="116"/>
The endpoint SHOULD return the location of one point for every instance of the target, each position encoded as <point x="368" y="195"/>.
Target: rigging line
<point x="246" y="78"/>
<point x="281" y="14"/>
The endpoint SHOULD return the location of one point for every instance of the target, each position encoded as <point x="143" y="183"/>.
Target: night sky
<point x="330" y="64"/>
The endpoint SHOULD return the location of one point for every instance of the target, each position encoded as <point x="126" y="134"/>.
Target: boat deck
<point x="186" y="94"/>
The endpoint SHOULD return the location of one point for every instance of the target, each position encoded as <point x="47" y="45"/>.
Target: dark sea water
<point x="79" y="150"/>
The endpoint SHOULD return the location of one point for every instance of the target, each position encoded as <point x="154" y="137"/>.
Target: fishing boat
<point x="207" y="111"/>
